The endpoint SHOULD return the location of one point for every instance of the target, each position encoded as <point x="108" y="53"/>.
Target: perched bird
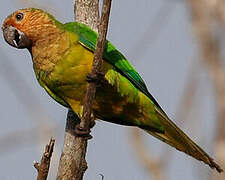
<point x="62" y="57"/>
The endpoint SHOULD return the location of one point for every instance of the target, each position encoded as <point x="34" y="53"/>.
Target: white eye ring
<point x="19" y="16"/>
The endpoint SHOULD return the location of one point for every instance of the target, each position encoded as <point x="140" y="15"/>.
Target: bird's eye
<point x="19" y="16"/>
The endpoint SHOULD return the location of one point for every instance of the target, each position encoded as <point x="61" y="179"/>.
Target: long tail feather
<point x="178" y="139"/>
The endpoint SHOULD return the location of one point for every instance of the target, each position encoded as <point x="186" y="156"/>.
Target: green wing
<point x="88" y="38"/>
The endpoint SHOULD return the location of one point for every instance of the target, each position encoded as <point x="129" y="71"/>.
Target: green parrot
<point x="62" y="57"/>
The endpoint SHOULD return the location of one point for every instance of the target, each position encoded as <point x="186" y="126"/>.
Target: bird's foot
<point x="83" y="132"/>
<point x="97" y="78"/>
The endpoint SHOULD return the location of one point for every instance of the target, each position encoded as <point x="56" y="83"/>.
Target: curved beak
<point x="16" y="38"/>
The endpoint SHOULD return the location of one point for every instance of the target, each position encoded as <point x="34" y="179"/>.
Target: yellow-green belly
<point x="117" y="100"/>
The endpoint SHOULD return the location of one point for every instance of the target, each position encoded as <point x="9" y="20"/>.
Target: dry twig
<point x="72" y="162"/>
<point x="43" y="166"/>
<point x="97" y="63"/>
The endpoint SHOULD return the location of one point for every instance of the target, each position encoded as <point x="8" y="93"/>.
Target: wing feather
<point x="88" y="38"/>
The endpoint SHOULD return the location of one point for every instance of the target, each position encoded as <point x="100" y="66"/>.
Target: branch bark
<point x="87" y="12"/>
<point x="72" y="162"/>
<point x="97" y="63"/>
<point x="43" y="166"/>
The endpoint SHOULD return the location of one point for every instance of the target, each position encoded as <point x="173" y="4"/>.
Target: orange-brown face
<point x="17" y="19"/>
<point x="24" y="26"/>
<point x="13" y="30"/>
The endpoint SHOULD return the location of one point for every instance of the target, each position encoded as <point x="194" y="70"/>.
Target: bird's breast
<point x="68" y="79"/>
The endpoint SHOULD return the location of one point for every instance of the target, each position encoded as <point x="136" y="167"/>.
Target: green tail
<point x="178" y="139"/>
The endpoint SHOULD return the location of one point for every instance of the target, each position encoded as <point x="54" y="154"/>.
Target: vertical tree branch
<point x="71" y="166"/>
<point x="72" y="162"/>
<point x="97" y="63"/>
<point x="87" y="12"/>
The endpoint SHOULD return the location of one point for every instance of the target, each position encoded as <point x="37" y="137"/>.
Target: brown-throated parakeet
<point x="62" y="57"/>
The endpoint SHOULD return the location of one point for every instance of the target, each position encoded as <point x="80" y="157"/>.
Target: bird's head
<point x="24" y="27"/>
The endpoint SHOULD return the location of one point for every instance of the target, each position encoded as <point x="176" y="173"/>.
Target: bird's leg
<point x="85" y="132"/>
<point x="98" y="78"/>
